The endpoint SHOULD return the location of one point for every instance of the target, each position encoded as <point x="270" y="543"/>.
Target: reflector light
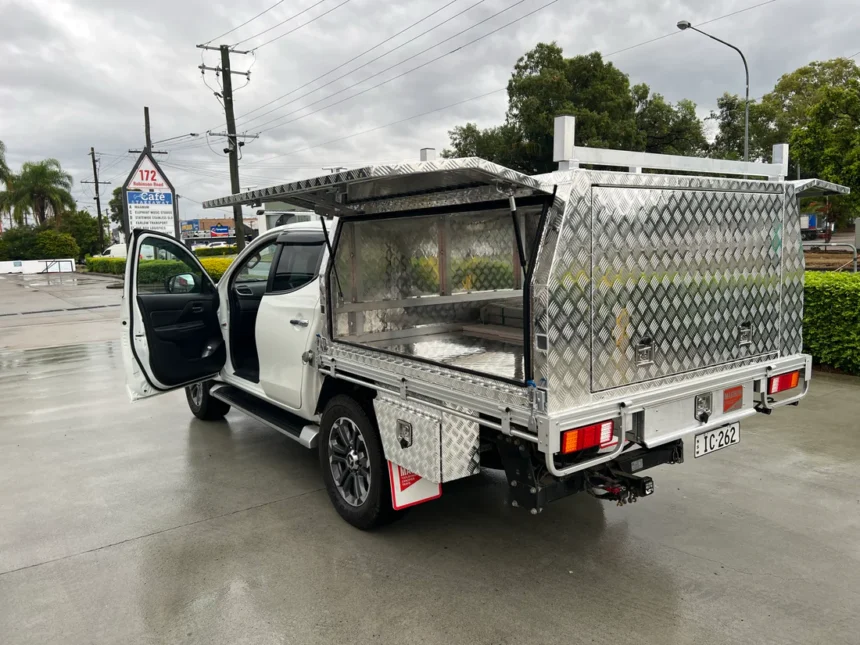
<point x="596" y="434"/>
<point x="783" y="382"/>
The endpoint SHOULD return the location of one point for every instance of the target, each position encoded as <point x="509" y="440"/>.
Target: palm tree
<point x="6" y="181"/>
<point x="43" y="188"/>
<point x="5" y="173"/>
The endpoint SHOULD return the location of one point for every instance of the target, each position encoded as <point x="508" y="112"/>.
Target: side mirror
<point x="182" y="283"/>
<point x="254" y="261"/>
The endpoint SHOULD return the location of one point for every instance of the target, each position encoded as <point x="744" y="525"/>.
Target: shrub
<point x="115" y="266"/>
<point x="157" y="270"/>
<point x="18" y="243"/>
<point x="84" y="228"/>
<point x="425" y="274"/>
<point x="469" y="274"/>
<point x="481" y="274"/>
<point x="206" y="252"/>
<point x="52" y="245"/>
<point x="216" y="267"/>
<point x="831" y="319"/>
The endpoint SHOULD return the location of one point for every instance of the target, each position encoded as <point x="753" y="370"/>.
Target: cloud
<point x="77" y="73"/>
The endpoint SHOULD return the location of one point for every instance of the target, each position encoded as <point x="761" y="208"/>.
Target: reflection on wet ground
<point x="138" y="523"/>
<point x="57" y="309"/>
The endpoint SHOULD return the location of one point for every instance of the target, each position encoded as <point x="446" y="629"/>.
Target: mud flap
<point x="409" y="489"/>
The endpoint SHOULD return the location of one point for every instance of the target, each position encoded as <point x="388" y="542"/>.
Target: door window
<point x="166" y="267"/>
<point x="297" y="266"/>
<point x="256" y="268"/>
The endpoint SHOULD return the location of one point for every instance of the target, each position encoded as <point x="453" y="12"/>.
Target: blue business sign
<point x="152" y="199"/>
<point x="219" y="231"/>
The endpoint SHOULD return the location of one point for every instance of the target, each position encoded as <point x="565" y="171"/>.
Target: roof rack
<point x="569" y="157"/>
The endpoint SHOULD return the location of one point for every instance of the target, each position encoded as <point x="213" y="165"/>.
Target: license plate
<point x="717" y="439"/>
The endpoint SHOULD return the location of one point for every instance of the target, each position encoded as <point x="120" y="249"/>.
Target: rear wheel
<point x="203" y="405"/>
<point x="353" y="464"/>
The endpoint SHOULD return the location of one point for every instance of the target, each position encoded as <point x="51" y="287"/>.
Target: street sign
<point x="149" y="199"/>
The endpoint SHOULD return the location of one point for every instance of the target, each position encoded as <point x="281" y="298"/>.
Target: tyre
<point x="353" y="464"/>
<point x="203" y="405"/>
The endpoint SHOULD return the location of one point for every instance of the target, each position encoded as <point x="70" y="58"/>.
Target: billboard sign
<point x="219" y="231"/>
<point x="149" y="199"/>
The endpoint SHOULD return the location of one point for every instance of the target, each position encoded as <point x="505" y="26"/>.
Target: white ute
<point x="573" y="329"/>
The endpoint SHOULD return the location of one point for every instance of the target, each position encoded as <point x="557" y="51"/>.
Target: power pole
<point x="146" y="128"/>
<point x="232" y="139"/>
<point x="95" y="182"/>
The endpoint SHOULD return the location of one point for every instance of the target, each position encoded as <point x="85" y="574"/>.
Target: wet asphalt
<point x="137" y="523"/>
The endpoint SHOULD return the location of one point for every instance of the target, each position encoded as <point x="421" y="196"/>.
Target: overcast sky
<point x="75" y="74"/>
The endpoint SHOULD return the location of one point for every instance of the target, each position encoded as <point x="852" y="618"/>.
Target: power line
<point x="473" y="98"/>
<point x="390" y="67"/>
<point x="296" y="15"/>
<point x="366" y="51"/>
<point x="379" y="127"/>
<point x="287" y="33"/>
<point x="676" y="32"/>
<point x="480" y="96"/>
<point x="246" y="22"/>
<point x="114" y="162"/>
<point x="187" y="147"/>
<point x="409" y="71"/>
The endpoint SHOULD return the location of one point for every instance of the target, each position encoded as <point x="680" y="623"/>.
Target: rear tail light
<point x="597" y="434"/>
<point x="783" y="382"/>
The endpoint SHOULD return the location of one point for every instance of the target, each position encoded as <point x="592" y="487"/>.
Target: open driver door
<point x="171" y="335"/>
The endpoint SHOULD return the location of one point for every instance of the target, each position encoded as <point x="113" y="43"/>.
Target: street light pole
<point x="685" y="24"/>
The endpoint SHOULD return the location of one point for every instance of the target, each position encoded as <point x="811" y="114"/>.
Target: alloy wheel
<point x="349" y="461"/>
<point x="197" y="394"/>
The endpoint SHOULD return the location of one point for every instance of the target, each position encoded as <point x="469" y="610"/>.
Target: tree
<point x="780" y="112"/>
<point x="53" y="245"/>
<point x="796" y="93"/>
<point x="18" y="243"/>
<point x="5" y="172"/>
<point x="828" y="144"/>
<point x="729" y="117"/>
<point x="496" y="144"/>
<point x="115" y="206"/>
<point x="43" y="189"/>
<point x="609" y="113"/>
<point x="668" y="129"/>
<point x="6" y="177"/>
<point x="84" y="228"/>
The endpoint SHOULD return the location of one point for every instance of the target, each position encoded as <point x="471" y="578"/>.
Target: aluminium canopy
<point x="347" y="192"/>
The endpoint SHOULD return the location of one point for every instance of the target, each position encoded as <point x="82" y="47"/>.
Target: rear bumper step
<point x="289" y="424"/>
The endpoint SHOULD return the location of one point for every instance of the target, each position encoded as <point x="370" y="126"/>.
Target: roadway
<point x="137" y="523"/>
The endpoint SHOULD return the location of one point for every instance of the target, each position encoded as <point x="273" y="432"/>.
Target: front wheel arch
<point x="332" y="387"/>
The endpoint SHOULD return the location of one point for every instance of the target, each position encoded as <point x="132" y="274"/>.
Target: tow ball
<point x="623" y="488"/>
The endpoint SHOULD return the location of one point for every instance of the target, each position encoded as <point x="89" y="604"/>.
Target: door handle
<point x="244" y="291"/>
<point x="298" y="322"/>
<point x="197" y="309"/>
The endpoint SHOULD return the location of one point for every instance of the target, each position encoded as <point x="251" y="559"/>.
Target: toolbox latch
<point x="645" y="352"/>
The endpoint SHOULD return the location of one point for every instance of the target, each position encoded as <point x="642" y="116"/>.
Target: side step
<point x="284" y="422"/>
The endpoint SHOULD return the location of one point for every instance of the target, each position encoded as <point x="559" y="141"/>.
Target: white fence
<point x="38" y="266"/>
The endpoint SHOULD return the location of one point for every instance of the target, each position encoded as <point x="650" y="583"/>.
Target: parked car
<point x="114" y="251"/>
<point x="573" y="329"/>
